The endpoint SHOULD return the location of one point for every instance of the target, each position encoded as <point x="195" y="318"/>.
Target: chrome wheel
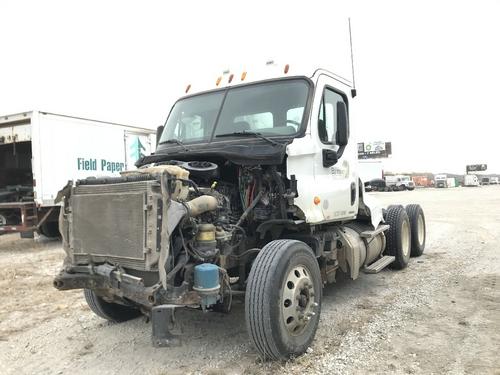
<point x="298" y="303"/>
<point x="405" y="238"/>
<point x="420" y="229"/>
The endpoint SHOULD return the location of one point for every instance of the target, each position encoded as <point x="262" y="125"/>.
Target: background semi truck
<point x="40" y="152"/>
<point x="441" y="181"/>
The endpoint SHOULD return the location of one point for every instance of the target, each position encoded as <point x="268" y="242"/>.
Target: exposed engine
<point x="195" y="213"/>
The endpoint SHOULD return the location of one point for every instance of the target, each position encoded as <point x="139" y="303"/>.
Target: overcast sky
<point x="428" y="73"/>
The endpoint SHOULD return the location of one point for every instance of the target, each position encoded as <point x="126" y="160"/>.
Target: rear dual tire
<point x="398" y="236"/>
<point x="418" y="229"/>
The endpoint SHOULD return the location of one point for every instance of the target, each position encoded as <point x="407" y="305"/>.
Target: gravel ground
<point x="440" y="315"/>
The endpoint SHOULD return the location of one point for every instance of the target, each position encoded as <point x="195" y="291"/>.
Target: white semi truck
<point x="441" y="181"/>
<point x="41" y="151"/>
<point x="399" y="182"/>
<point x="253" y="192"/>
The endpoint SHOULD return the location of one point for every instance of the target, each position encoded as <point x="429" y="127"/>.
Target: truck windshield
<point x="269" y="108"/>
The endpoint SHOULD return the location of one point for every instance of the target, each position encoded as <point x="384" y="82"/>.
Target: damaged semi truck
<point x="253" y="192"/>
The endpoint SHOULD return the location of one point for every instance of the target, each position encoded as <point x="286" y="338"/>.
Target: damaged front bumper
<point x="115" y="282"/>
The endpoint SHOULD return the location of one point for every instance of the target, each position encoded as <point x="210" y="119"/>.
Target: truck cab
<point x="308" y="125"/>
<point x="441" y="181"/>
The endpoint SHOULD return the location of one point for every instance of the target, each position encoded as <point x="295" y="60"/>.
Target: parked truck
<point x="41" y="151"/>
<point x="471" y="180"/>
<point x="441" y="181"/>
<point x="399" y="182"/>
<point x="253" y="192"/>
<point x="422" y="181"/>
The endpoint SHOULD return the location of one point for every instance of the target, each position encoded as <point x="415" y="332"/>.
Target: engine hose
<point x="249" y="208"/>
<point x="178" y="266"/>
<point x="281" y="189"/>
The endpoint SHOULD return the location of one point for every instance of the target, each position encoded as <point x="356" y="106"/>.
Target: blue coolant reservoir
<point x="206" y="277"/>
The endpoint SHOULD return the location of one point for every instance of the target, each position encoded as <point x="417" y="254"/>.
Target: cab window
<point x="327" y="120"/>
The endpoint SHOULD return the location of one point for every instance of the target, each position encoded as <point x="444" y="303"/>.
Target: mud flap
<point x="166" y="330"/>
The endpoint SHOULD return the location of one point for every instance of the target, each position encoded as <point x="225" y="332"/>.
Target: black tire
<point x="110" y="311"/>
<point x="415" y="213"/>
<point x="398" y="236"/>
<point x="50" y="229"/>
<point x="265" y="300"/>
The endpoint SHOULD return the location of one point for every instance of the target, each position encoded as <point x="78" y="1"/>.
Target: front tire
<point x="283" y="299"/>
<point x="398" y="236"/>
<point x="109" y="311"/>
<point x="418" y="229"/>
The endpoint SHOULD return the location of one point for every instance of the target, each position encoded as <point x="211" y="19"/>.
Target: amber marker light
<point x="243" y="76"/>
<point x="287" y="68"/>
<point x="218" y="81"/>
<point x="230" y="78"/>
<point x="187" y="88"/>
<point x="317" y="200"/>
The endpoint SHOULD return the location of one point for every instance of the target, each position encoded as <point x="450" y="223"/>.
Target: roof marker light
<point x="243" y="76"/>
<point x="218" y="81"/>
<point x="187" y="88"/>
<point x="287" y="67"/>
<point x="317" y="200"/>
<point x="231" y="78"/>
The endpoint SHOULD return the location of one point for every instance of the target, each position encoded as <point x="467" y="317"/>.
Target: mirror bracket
<point x="330" y="158"/>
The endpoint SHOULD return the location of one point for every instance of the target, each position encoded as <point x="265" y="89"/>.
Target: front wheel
<point x="283" y="299"/>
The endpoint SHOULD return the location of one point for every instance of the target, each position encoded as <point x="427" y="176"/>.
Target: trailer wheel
<point x="418" y="229"/>
<point x="109" y="311"/>
<point x="398" y="236"/>
<point x="283" y="299"/>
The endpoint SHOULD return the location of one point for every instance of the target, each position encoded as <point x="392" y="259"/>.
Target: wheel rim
<point x="420" y="229"/>
<point x="298" y="301"/>
<point x="405" y="238"/>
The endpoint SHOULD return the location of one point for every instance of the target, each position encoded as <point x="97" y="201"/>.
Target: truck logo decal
<point x="136" y="149"/>
<point x="103" y="165"/>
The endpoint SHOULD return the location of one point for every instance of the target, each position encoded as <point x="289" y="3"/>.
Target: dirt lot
<point x="440" y="315"/>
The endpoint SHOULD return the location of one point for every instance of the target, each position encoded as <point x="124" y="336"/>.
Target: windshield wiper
<point x="255" y="134"/>
<point x="176" y="141"/>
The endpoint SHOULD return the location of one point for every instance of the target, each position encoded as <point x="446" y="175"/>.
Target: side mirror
<point x="159" y="130"/>
<point x="342" y="135"/>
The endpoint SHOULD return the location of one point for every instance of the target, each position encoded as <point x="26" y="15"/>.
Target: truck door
<point x="339" y="182"/>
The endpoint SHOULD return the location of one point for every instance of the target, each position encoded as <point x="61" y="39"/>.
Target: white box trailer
<point x="40" y="152"/>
